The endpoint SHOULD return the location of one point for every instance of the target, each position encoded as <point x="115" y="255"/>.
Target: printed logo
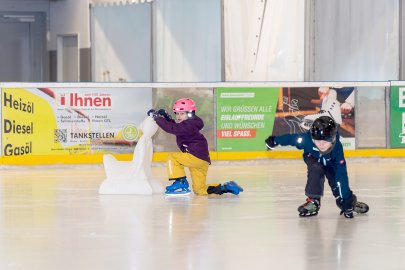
<point x="84" y="100"/>
<point x="130" y="133"/>
<point x="61" y="100"/>
<point x="237" y="95"/>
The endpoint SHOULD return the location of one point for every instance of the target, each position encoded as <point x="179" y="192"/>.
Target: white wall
<point x="356" y="40"/>
<point x="69" y="17"/>
<point x="121" y="43"/>
<point x="187" y="40"/>
<point x="264" y="40"/>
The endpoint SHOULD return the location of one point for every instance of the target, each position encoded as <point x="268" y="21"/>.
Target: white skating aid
<point x="133" y="177"/>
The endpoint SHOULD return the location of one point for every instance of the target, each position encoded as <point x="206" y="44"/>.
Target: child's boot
<point x="310" y="207"/>
<point x="228" y="187"/>
<point x="361" y="208"/>
<point x="231" y="187"/>
<point x="358" y="207"/>
<point x="179" y="187"/>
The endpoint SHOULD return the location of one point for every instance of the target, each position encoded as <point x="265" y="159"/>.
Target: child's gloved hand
<point x="271" y="142"/>
<point x="152" y="113"/>
<point x="348" y="213"/>
<point x="347" y="208"/>
<point x="165" y="114"/>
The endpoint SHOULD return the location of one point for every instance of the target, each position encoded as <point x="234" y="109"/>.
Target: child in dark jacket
<point x="194" y="151"/>
<point x="323" y="154"/>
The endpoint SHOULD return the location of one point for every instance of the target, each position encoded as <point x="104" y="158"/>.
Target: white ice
<point x="53" y="218"/>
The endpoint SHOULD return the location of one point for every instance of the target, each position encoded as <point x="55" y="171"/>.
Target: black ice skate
<point x="309" y="208"/>
<point x="360" y="208"/>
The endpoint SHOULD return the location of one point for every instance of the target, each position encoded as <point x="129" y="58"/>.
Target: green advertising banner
<point x="245" y="117"/>
<point x="397" y="117"/>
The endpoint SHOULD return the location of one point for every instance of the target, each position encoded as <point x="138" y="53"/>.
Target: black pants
<point x="316" y="178"/>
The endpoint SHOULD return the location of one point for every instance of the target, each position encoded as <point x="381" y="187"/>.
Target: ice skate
<point x="231" y="187"/>
<point x="309" y="208"/>
<point x="330" y="107"/>
<point x="361" y="208"/>
<point x="178" y="188"/>
<point x="358" y="207"/>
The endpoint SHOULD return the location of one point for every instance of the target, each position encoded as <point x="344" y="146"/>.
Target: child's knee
<point x="200" y="189"/>
<point x="200" y="192"/>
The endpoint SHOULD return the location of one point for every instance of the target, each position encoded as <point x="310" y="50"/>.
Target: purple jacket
<point x="188" y="136"/>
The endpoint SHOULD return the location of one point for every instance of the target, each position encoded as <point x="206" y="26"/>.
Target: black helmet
<point x="324" y="128"/>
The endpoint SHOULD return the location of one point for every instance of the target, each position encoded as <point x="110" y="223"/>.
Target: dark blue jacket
<point x="188" y="136"/>
<point x="335" y="159"/>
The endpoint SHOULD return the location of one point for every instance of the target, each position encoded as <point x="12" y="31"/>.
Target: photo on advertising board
<point x="298" y="107"/>
<point x="65" y="121"/>
<point x="245" y="117"/>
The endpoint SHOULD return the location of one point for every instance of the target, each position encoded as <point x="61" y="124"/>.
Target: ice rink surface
<point x="52" y="217"/>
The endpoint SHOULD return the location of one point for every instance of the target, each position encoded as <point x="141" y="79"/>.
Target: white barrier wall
<point x="98" y="118"/>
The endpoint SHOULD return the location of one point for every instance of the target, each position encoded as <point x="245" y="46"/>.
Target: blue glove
<point x="165" y="114"/>
<point x="152" y="113"/>
<point x="271" y="142"/>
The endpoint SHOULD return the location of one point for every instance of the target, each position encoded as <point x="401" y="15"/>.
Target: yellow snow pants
<point x="198" y="170"/>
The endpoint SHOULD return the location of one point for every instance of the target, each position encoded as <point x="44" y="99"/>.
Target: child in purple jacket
<point x="194" y="151"/>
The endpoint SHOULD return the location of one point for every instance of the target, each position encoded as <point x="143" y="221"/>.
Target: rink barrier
<point x="92" y="158"/>
<point x="215" y="156"/>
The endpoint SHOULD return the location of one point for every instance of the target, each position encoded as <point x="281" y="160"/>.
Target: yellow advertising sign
<point x="71" y="121"/>
<point x="27" y="119"/>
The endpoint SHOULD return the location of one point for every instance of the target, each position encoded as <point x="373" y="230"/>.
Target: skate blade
<point x="178" y="193"/>
<point x="308" y="214"/>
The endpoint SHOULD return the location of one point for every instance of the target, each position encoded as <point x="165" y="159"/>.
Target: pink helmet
<point x="184" y="105"/>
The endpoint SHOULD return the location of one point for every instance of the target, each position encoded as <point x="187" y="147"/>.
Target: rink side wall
<point x="74" y="123"/>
